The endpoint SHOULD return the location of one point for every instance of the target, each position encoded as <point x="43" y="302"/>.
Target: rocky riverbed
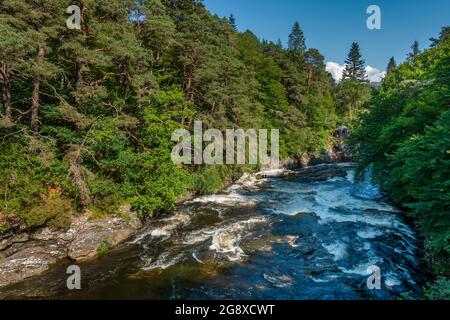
<point x="31" y="253"/>
<point x="312" y="233"/>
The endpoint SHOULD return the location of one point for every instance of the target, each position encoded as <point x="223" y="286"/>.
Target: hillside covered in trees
<point x="87" y="115"/>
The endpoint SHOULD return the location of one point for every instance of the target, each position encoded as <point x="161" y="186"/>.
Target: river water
<point x="316" y="234"/>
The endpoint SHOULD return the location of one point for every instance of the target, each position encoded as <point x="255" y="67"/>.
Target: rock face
<point x="28" y="254"/>
<point x="338" y="151"/>
<point x="322" y="173"/>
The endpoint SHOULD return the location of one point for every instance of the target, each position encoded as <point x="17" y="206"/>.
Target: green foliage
<point x="420" y="176"/>
<point x="106" y="198"/>
<point x="414" y="50"/>
<point x="103" y="248"/>
<point x="209" y="180"/>
<point x="444" y="36"/>
<point x="391" y="66"/>
<point x="30" y="182"/>
<point x="351" y="100"/>
<point x="439" y="290"/>
<point x="53" y="212"/>
<point x="353" y="91"/>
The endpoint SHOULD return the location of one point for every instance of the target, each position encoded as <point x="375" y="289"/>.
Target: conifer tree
<point x="41" y="21"/>
<point x="14" y="50"/>
<point x="444" y="37"/>
<point x="297" y="40"/>
<point x="391" y="65"/>
<point x="414" y="50"/>
<point x="232" y="21"/>
<point x="354" y="65"/>
<point x="279" y="43"/>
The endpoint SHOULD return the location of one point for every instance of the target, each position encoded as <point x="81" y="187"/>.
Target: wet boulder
<point x="28" y="262"/>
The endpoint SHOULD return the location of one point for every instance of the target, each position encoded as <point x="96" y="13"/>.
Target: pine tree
<point x="392" y="65"/>
<point x="297" y="40"/>
<point x="415" y="50"/>
<point x="14" y="49"/>
<point x="354" y="65"/>
<point x="279" y="43"/>
<point x="232" y="21"/>
<point x="41" y="22"/>
<point x="315" y="61"/>
<point x="444" y="36"/>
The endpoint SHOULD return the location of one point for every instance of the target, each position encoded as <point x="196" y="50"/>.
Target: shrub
<point x="54" y="212"/>
<point x="104" y="247"/>
<point x="439" y="290"/>
<point x="208" y="180"/>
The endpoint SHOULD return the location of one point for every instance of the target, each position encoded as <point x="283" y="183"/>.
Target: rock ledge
<point x="28" y="254"/>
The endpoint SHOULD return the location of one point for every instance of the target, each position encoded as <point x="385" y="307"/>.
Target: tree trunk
<point x="190" y="75"/>
<point x="6" y="98"/>
<point x="79" y="82"/>
<point x="79" y="75"/>
<point x="310" y="75"/>
<point x="35" y="103"/>
<point x="5" y="80"/>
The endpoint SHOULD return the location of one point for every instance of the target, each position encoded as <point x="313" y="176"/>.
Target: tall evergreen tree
<point x="314" y="61"/>
<point x="14" y="49"/>
<point x="232" y="21"/>
<point x="444" y="36"/>
<point x="297" y="40"/>
<point x="354" y="65"/>
<point x="391" y="65"/>
<point x="414" y="50"/>
<point x="41" y="21"/>
<point x="279" y="43"/>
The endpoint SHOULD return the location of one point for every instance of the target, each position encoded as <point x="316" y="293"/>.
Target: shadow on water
<point x="301" y="237"/>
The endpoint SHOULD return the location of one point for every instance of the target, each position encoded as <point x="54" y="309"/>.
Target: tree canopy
<point x="86" y="116"/>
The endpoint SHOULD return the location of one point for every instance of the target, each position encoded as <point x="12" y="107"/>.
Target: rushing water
<point x="278" y="238"/>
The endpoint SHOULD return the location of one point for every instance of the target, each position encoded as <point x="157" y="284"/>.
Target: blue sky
<point x="332" y="25"/>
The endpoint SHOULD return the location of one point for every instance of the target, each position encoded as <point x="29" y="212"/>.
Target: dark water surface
<point x="280" y="238"/>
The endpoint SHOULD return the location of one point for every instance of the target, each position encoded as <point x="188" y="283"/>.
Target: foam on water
<point x="225" y="240"/>
<point x="335" y="201"/>
<point x="164" y="261"/>
<point x="280" y="281"/>
<point x="352" y="249"/>
<point x="228" y="199"/>
<point x="363" y="269"/>
<point x="369" y="233"/>
<point x="337" y="249"/>
<point x="169" y="224"/>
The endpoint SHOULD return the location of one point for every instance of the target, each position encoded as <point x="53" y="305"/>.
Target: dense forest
<point x="86" y="116"/>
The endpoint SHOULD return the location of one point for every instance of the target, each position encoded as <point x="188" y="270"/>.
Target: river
<point x="314" y="234"/>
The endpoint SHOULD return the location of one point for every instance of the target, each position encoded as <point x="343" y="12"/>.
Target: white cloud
<point x="373" y="74"/>
<point x="335" y="69"/>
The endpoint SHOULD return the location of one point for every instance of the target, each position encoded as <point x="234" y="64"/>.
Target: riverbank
<point x="309" y="233"/>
